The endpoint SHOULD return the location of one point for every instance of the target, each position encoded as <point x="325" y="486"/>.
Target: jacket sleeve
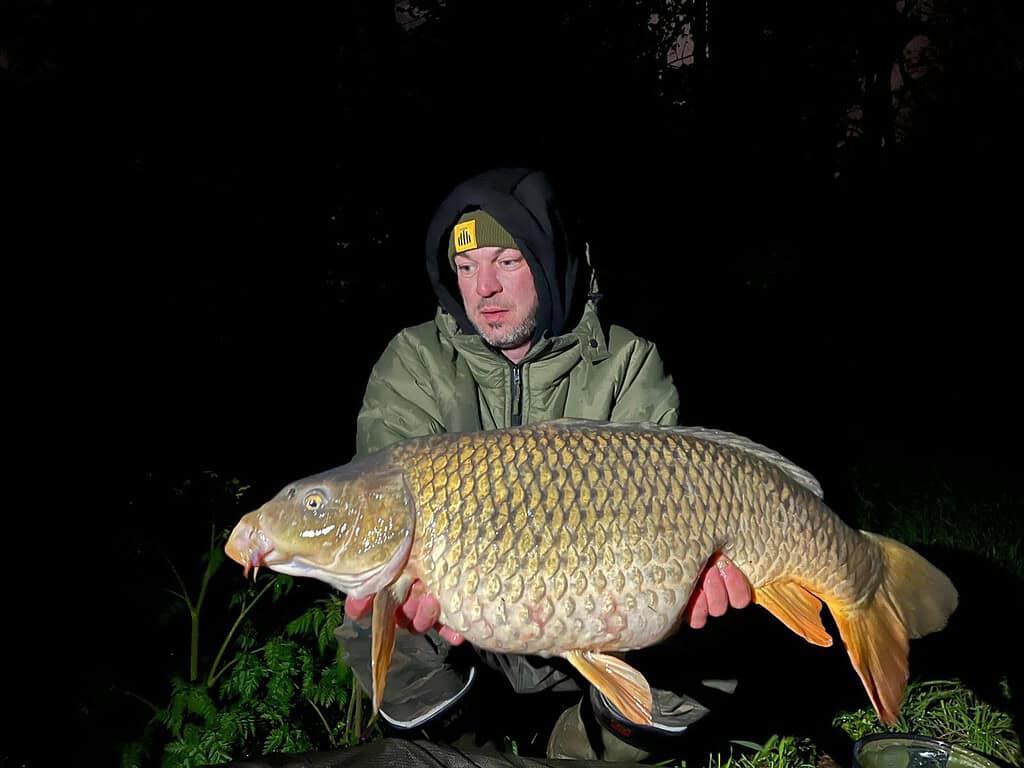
<point x="647" y="392"/>
<point x="398" y="402"/>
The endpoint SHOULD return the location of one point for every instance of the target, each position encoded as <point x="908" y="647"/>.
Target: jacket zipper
<point x="517" y="395"/>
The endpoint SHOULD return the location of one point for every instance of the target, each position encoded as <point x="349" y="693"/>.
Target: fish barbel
<point x="583" y="539"/>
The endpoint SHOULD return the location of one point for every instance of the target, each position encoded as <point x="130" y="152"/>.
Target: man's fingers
<point x="406" y="615"/>
<point x="426" y="613"/>
<point x="418" y="613"/>
<point x="357" y="607"/>
<point x="699" y="611"/>
<point x="450" y="634"/>
<point x="407" y="612"/>
<point x="715" y="591"/>
<point x="736" y="584"/>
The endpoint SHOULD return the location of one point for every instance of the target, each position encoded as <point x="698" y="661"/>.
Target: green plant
<point x="944" y="709"/>
<point x="266" y="688"/>
<point x="776" y="752"/>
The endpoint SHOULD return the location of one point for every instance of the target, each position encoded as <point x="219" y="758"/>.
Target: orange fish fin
<point x="385" y="605"/>
<point x="879" y="649"/>
<point x="622" y="685"/>
<point x="795" y="607"/>
<point x="913" y="599"/>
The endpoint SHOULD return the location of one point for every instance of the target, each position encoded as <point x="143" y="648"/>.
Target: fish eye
<point x="314" y="501"/>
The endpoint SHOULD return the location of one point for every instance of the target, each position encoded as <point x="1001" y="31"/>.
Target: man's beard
<point x="510" y="337"/>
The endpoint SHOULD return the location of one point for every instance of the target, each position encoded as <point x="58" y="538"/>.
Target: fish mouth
<point x="249" y="546"/>
<point x="256" y="559"/>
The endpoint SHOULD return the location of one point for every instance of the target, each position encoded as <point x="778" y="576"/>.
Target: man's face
<point x="499" y="295"/>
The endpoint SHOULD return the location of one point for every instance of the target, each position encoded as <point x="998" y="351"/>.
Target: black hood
<point x="524" y="203"/>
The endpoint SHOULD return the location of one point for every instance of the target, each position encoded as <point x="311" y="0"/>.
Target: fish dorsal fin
<point x="730" y="439"/>
<point x="745" y="444"/>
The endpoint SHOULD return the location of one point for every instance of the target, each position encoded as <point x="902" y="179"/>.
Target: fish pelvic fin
<point x="913" y="599"/>
<point x="385" y="605"/>
<point x="622" y="685"/>
<point x="795" y="607"/>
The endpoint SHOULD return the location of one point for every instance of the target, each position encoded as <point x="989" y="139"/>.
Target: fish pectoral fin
<point x="795" y="607"/>
<point x="622" y="685"/>
<point x="385" y="605"/>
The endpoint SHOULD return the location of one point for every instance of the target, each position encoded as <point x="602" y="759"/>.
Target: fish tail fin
<point x="922" y="595"/>
<point x="913" y="599"/>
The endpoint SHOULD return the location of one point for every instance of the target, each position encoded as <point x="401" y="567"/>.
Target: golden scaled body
<point x="545" y="539"/>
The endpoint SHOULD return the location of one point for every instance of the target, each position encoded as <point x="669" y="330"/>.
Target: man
<point x="516" y="340"/>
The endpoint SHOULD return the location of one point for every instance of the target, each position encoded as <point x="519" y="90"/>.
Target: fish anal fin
<point x="385" y="605"/>
<point x="622" y="685"/>
<point x="795" y="607"/>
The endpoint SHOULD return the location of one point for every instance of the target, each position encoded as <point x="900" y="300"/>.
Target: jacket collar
<point x="588" y="337"/>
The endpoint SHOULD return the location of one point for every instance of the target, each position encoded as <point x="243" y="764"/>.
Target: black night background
<point x="814" y="209"/>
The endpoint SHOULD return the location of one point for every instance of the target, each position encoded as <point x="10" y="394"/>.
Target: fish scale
<point x="584" y="539"/>
<point x="623" y="498"/>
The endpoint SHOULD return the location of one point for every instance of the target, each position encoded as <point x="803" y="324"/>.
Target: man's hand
<point x="721" y="586"/>
<point x="418" y="613"/>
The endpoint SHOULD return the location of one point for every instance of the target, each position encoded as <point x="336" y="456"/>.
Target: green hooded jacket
<point x="432" y="378"/>
<point x="441" y="376"/>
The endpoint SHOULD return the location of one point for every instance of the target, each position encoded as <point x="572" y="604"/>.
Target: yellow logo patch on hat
<point x="465" y="236"/>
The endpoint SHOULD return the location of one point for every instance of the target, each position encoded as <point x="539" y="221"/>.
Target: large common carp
<point x="581" y="539"/>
